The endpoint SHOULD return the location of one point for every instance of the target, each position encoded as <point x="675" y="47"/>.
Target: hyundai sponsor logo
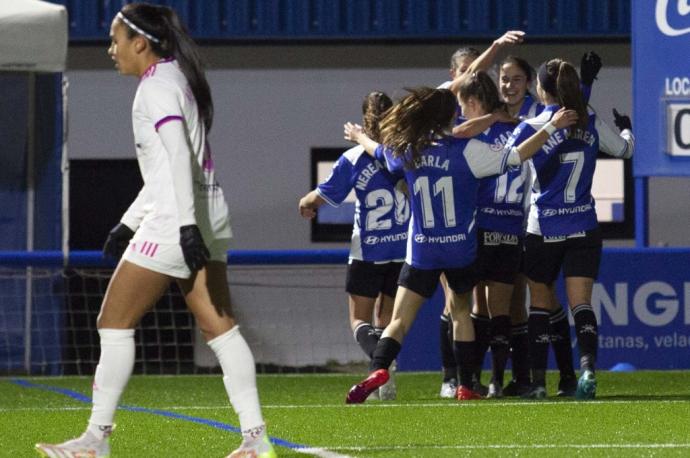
<point x="371" y="240"/>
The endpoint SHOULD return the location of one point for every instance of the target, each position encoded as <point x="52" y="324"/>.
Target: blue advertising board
<point x="642" y="303"/>
<point x="661" y="87"/>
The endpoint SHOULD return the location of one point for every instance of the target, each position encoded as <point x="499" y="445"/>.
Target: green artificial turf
<point x="635" y="414"/>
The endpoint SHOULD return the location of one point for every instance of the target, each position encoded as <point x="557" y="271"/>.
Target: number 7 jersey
<point x="382" y="212"/>
<point x="562" y="173"/>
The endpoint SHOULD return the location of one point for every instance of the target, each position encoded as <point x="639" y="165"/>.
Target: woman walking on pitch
<point x="379" y="233"/>
<point x="176" y="229"/>
<point x="442" y="174"/>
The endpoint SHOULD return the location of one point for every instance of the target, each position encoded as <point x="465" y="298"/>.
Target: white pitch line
<point x="450" y="404"/>
<point x="512" y="446"/>
<point x="320" y="452"/>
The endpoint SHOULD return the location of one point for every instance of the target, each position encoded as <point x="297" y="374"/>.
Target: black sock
<point x="519" y="354"/>
<point x="366" y="337"/>
<point x="465" y="360"/>
<point x="386" y="351"/>
<point x="500" y="344"/>
<point x="587" y="335"/>
<point x="538" y="325"/>
<point x="562" y="345"/>
<point x="482" y="338"/>
<point x="379" y="331"/>
<point x="445" y="335"/>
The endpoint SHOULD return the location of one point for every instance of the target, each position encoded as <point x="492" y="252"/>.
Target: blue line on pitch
<point x="163" y="413"/>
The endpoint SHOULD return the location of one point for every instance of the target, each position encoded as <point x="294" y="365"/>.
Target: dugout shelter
<point x="33" y="50"/>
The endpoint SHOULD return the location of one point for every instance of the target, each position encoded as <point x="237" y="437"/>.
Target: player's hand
<point x="193" y="248"/>
<point x="622" y="121"/>
<point x="117" y="241"/>
<point x="511" y="37"/>
<point x="352" y="131"/>
<point x="306" y="210"/>
<point x="502" y="115"/>
<point x="564" y="118"/>
<point x="589" y="68"/>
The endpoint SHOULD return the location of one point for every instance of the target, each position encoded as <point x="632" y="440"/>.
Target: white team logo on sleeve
<point x="663" y="13"/>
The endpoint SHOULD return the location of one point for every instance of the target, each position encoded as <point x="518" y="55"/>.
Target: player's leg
<point x="499" y="297"/>
<point x="384" y="314"/>
<point x="361" y="310"/>
<point x="542" y="264"/>
<point x="132" y="291"/>
<point x="580" y="269"/>
<point x="462" y="281"/>
<point x="501" y="267"/>
<point x="449" y="385"/>
<point x="519" y="340"/>
<point x="208" y="298"/>
<point x="482" y="333"/>
<point x="415" y="287"/>
<point x="559" y="328"/>
<point x="363" y="284"/>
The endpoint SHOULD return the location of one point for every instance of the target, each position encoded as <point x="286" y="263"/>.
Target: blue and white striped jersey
<point x="562" y="172"/>
<point x="382" y="212"/>
<point x="443" y="190"/>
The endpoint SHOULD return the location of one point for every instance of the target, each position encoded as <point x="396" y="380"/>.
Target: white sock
<point x="112" y="374"/>
<point x="239" y="379"/>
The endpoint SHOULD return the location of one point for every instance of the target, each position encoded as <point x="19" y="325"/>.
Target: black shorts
<point x="368" y="279"/>
<point x="578" y="254"/>
<point x="424" y="282"/>
<point x="499" y="256"/>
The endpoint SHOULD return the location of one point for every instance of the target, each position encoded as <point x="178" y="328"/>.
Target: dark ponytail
<point x="482" y="87"/>
<point x="374" y="106"/>
<point x="412" y="124"/>
<point x="171" y="40"/>
<point x="559" y="79"/>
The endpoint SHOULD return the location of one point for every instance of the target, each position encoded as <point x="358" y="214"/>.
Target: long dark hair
<point x="559" y="79"/>
<point x="411" y="125"/>
<point x="481" y="86"/>
<point x="374" y="106"/>
<point x="171" y="39"/>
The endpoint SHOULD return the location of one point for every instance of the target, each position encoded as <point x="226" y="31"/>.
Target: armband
<point x="549" y="128"/>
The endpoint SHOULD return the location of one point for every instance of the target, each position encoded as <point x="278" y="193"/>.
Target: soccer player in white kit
<point x="176" y="229"/>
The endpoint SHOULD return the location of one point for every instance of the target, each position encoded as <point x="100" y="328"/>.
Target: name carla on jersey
<point x="367" y="173"/>
<point x="559" y="137"/>
<point x="431" y="161"/>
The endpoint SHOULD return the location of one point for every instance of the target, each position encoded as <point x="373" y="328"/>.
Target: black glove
<point x="117" y="241"/>
<point x="589" y="68"/>
<point x="195" y="252"/>
<point x="621" y="121"/>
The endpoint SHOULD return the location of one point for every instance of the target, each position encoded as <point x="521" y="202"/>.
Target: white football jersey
<point x="180" y="186"/>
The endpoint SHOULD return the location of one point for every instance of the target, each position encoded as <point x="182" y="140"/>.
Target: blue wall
<point x="366" y="19"/>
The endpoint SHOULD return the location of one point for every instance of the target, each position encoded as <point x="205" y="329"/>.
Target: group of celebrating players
<point x="484" y="190"/>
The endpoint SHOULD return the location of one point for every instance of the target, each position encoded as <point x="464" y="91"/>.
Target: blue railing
<point x="19" y="259"/>
<point x="369" y="19"/>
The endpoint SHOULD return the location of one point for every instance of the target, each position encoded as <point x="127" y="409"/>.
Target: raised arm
<point x="475" y="126"/>
<point x="486" y="59"/>
<point x="618" y="145"/>
<point x="561" y="119"/>
<point x="355" y="133"/>
<point x="485" y="161"/>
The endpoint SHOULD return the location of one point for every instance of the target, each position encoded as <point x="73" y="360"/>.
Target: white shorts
<point x="167" y="258"/>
